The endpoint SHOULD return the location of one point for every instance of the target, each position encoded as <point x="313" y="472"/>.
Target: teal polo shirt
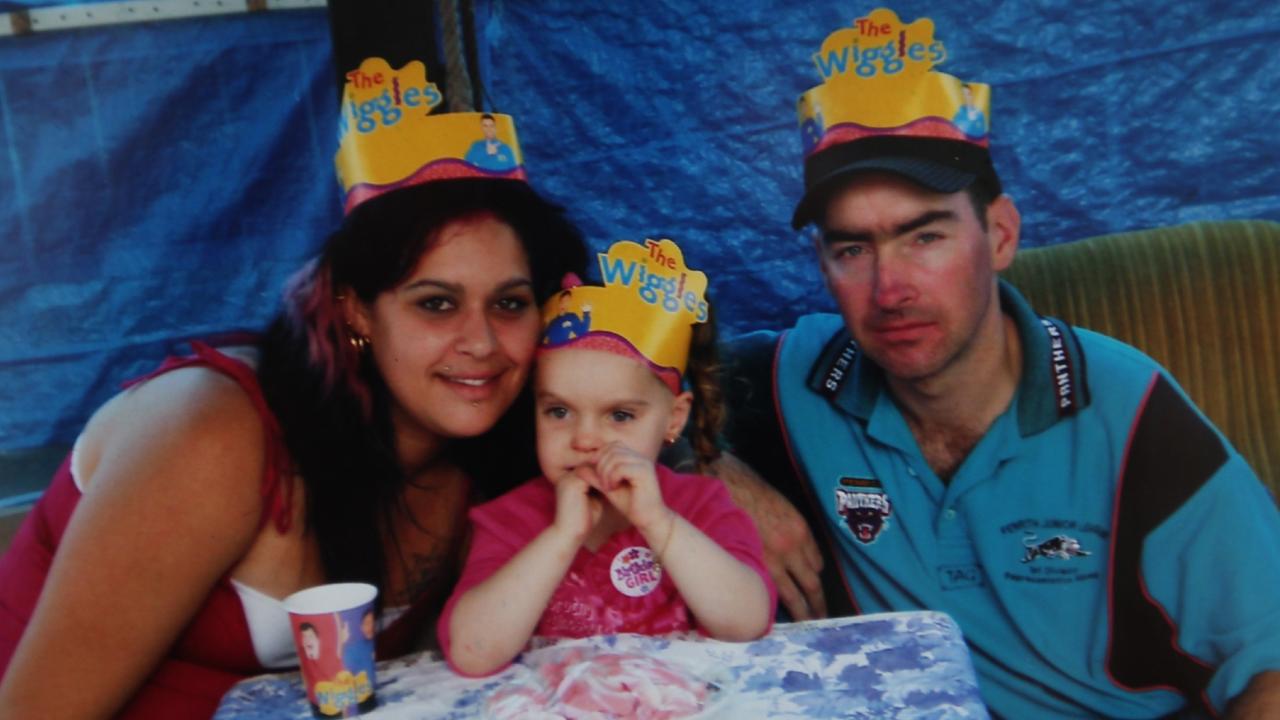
<point x="1104" y="549"/>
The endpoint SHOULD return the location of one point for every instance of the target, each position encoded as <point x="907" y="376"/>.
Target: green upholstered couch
<point x="1202" y="299"/>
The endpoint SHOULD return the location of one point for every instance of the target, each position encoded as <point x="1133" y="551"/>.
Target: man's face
<point x="489" y="128"/>
<point x="913" y="272"/>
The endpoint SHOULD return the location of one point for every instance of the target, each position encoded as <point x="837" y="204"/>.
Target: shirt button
<point x="911" y="471"/>
<point x="949" y="514"/>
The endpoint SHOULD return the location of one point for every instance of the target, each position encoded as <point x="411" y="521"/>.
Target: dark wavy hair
<point x="702" y="373"/>
<point x="333" y="406"/>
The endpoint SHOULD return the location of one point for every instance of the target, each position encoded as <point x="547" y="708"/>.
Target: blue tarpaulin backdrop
<point x="160" y="181"/>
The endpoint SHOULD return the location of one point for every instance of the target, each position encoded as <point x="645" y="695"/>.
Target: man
<point x="321" y="659"/>
<point x="969" y="118"/>
<point x="1103" y="548"/>
<point x="310" y="640"/>
<point x="490" y="153"/>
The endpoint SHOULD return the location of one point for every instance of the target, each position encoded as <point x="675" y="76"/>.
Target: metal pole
<point x="54" y="18"/>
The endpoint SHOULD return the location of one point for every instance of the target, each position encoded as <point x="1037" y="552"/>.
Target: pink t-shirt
<point x="619" y="588"/>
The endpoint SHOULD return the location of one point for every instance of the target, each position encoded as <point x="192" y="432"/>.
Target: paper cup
<point x="333" y="629"/>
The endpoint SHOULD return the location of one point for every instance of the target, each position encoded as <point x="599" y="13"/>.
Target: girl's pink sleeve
<point x="706" y="504"/>
<point x="499" y="529"/>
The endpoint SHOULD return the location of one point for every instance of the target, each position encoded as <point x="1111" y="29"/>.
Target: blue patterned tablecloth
<point x="894" y="665"/>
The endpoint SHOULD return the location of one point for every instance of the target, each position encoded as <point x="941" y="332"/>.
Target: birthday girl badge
<point x="635" y="571"/>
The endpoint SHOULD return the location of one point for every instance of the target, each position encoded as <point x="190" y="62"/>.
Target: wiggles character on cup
<point x="607" y="540"/>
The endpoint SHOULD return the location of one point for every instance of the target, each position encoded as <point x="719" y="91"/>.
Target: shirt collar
<point x="1053" y="385"/>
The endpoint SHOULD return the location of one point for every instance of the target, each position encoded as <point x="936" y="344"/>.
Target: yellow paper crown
<point x="878" y="80"/>
<point x="650" y="300"/>
<point x="388" y="138"/>
<point x="881" y="107"/>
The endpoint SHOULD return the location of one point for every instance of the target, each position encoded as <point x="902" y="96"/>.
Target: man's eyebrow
<point x="832" y="236"/>
<point x="924" y="219"/>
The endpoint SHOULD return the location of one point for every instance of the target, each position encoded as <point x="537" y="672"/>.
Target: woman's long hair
<point x="332" y="404"/>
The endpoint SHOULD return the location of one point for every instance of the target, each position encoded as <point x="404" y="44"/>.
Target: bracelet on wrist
<point x="671" y="530"/>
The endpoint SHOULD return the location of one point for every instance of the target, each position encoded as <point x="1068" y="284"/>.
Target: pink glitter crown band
<point x="610" y="343"/>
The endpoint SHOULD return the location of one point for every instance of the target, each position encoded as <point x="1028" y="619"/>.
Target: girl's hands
<point x="629" y="481"/>
<point x="576" y="510"/>
<point x="623" y="477"/>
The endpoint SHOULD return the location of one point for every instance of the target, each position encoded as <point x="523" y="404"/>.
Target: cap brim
<point x="927" y="173"/>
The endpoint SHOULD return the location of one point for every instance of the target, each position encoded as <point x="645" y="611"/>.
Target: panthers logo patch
<point x="865" y="513"/>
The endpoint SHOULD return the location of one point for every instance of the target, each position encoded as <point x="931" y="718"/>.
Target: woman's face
<point x="454" y="341"/>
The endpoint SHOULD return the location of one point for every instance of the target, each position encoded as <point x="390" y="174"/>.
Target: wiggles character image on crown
<point x="389" y="138"/>
<point x="880" y="97"/>
<point x="647" y="307"/>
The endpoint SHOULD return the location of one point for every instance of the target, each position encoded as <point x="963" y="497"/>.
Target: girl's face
<point x="587" y="399"/>
<point x="454" y="341"/>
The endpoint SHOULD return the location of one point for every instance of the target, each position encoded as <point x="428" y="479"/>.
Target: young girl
<point x="608" y="541"/>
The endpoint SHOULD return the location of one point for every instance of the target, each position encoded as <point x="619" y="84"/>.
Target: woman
<point x="210" y="490"/>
